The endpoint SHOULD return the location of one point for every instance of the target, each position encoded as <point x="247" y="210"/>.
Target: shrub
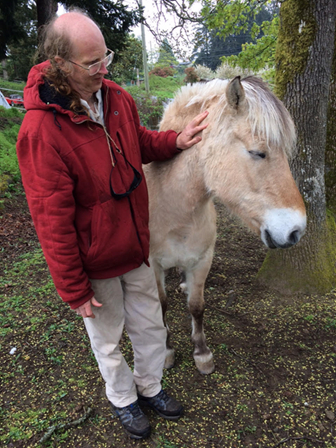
<point x="191" y="75"/>
<point x="204" y="72"/>
<point x="164" y="87"/>
<point x="150" y="108"/>
<point x="163" y="72"/>
<point x="227" y="71"/>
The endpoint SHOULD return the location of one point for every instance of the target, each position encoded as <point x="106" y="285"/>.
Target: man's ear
<point x="60" y="62"/>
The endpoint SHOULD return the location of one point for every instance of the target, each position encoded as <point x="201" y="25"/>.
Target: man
<point x="80" y="149"/>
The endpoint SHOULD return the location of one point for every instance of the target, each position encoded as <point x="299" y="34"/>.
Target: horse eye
<point x="260" y="154"/>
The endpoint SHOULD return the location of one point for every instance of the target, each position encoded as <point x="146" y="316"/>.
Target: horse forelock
<point x="267" y="115"/>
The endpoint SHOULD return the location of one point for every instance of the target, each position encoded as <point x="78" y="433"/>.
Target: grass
<point x="8" y="87"/>
<point x="10" y="121"/>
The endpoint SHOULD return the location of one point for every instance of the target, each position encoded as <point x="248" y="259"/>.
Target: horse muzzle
<point x="283" y="228"/>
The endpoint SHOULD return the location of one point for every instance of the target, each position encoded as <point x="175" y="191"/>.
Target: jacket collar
<point x="39" y="94"/>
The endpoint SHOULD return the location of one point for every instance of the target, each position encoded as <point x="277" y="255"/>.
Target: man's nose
<point x="103" y="69"/>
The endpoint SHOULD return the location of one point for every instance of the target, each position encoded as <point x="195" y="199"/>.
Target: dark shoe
<point x="167" y="407"/>
<point x="133" y="420"/>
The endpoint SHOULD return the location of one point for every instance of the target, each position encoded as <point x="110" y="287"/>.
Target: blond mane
<point x="267" y="115"/>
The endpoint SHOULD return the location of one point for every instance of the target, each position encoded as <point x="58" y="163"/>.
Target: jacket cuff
<point x="78" y="302"/>
<point x="179" y="149"/>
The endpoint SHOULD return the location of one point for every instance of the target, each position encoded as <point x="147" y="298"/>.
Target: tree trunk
<point x="303" y="71"/>
<point x="46" y="9"/>
<point x="330" y="157"/>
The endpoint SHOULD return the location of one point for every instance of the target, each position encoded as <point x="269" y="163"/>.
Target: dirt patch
<point x="274" y="383"/>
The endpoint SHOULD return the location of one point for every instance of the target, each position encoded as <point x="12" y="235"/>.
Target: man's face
<point x="87" y="51"/>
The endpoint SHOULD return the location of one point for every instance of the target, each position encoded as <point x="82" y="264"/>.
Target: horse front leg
<point x="160" y="280"/>
<point x="195" y="288"/>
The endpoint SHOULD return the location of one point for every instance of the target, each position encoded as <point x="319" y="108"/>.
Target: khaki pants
<point x="131" y="300"/>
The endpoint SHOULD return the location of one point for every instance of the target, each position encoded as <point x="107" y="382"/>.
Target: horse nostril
<point x="294" y="237"/>
<point x="270" y="242"/>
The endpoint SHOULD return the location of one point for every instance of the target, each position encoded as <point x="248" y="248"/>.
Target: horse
<point x="243" y="161"/>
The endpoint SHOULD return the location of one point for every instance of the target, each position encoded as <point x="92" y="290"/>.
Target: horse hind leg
<point x="170" y="352"/>
<point x="202" y="354"/>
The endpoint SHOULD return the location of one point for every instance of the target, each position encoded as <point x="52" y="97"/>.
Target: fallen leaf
<point x="330" y="415"/>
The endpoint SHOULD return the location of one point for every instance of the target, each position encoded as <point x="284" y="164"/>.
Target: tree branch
<point x="54" y="428"/>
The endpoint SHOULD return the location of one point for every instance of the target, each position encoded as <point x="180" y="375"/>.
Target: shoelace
<point x="163" y="396"/>
<point x="135" y="411"/>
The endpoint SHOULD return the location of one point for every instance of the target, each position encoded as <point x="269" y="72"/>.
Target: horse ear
<point x="235" y="93"/>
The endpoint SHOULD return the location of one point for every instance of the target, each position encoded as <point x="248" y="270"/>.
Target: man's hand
<point x="86" y="310"/>
<point x="186" y="139"/>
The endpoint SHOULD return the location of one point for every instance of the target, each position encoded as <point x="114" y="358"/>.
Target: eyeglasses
<point x="137" y="178"/>
<point x="93" y="69"/>
<point x="117" y="183"/>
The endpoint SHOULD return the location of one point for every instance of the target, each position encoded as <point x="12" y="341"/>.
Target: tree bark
<point x="330" y="157"/>
<point x="304" y="58"/>
<point x="46" y="9"/>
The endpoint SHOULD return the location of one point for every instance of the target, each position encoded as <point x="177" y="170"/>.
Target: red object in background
<point x="14" y="100"/>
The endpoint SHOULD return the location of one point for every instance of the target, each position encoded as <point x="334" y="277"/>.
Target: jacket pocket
<point x="114" y="240"/>
<point x="102" y="225"/>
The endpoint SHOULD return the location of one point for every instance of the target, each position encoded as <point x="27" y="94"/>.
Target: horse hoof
<point x="205" y="364"/>
<point x="170" y="358"/>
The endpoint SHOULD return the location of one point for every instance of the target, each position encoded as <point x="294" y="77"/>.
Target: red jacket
<point x="66" y="166"/>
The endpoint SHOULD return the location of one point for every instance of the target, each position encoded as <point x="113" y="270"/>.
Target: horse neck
<point x="177" y="185"/>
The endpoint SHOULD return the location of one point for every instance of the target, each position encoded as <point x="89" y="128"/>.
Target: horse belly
<point x="185" y="253"/>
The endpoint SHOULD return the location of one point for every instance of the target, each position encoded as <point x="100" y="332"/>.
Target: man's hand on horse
<point x="188" y="136"/>
<point x="85" y="310"/>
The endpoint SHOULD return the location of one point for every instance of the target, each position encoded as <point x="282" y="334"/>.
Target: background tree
<point x="127" y="61"/>
<point x="113" y="17"/>
<point x="304" y="59"/>
<point x="20" y="21"/>
<point x="11" y="26"/>
<point x="166" y="55"/>
<point x="213" y="46"/>
<point x="45" y="11"/>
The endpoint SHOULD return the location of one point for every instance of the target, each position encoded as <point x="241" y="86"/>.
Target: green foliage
<point x="164" y="87"/>
<point x="22" y="51"/>
<point x="11" y="87"/>
<point x="249" y="25"/>
<point x="12" y="12"/>
<point x="113" y="17"/>
<point x="18" y="23"/>
<point x="150" y="106"/>
<point x="127" y="61"/>
<point x="10" y="121"/>
<point x="166" y="55"/>
<point x="234" y="17"/>
<point x="261" y="54"/>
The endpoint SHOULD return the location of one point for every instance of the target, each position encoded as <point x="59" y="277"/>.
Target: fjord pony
<point x="242" y="160"/>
